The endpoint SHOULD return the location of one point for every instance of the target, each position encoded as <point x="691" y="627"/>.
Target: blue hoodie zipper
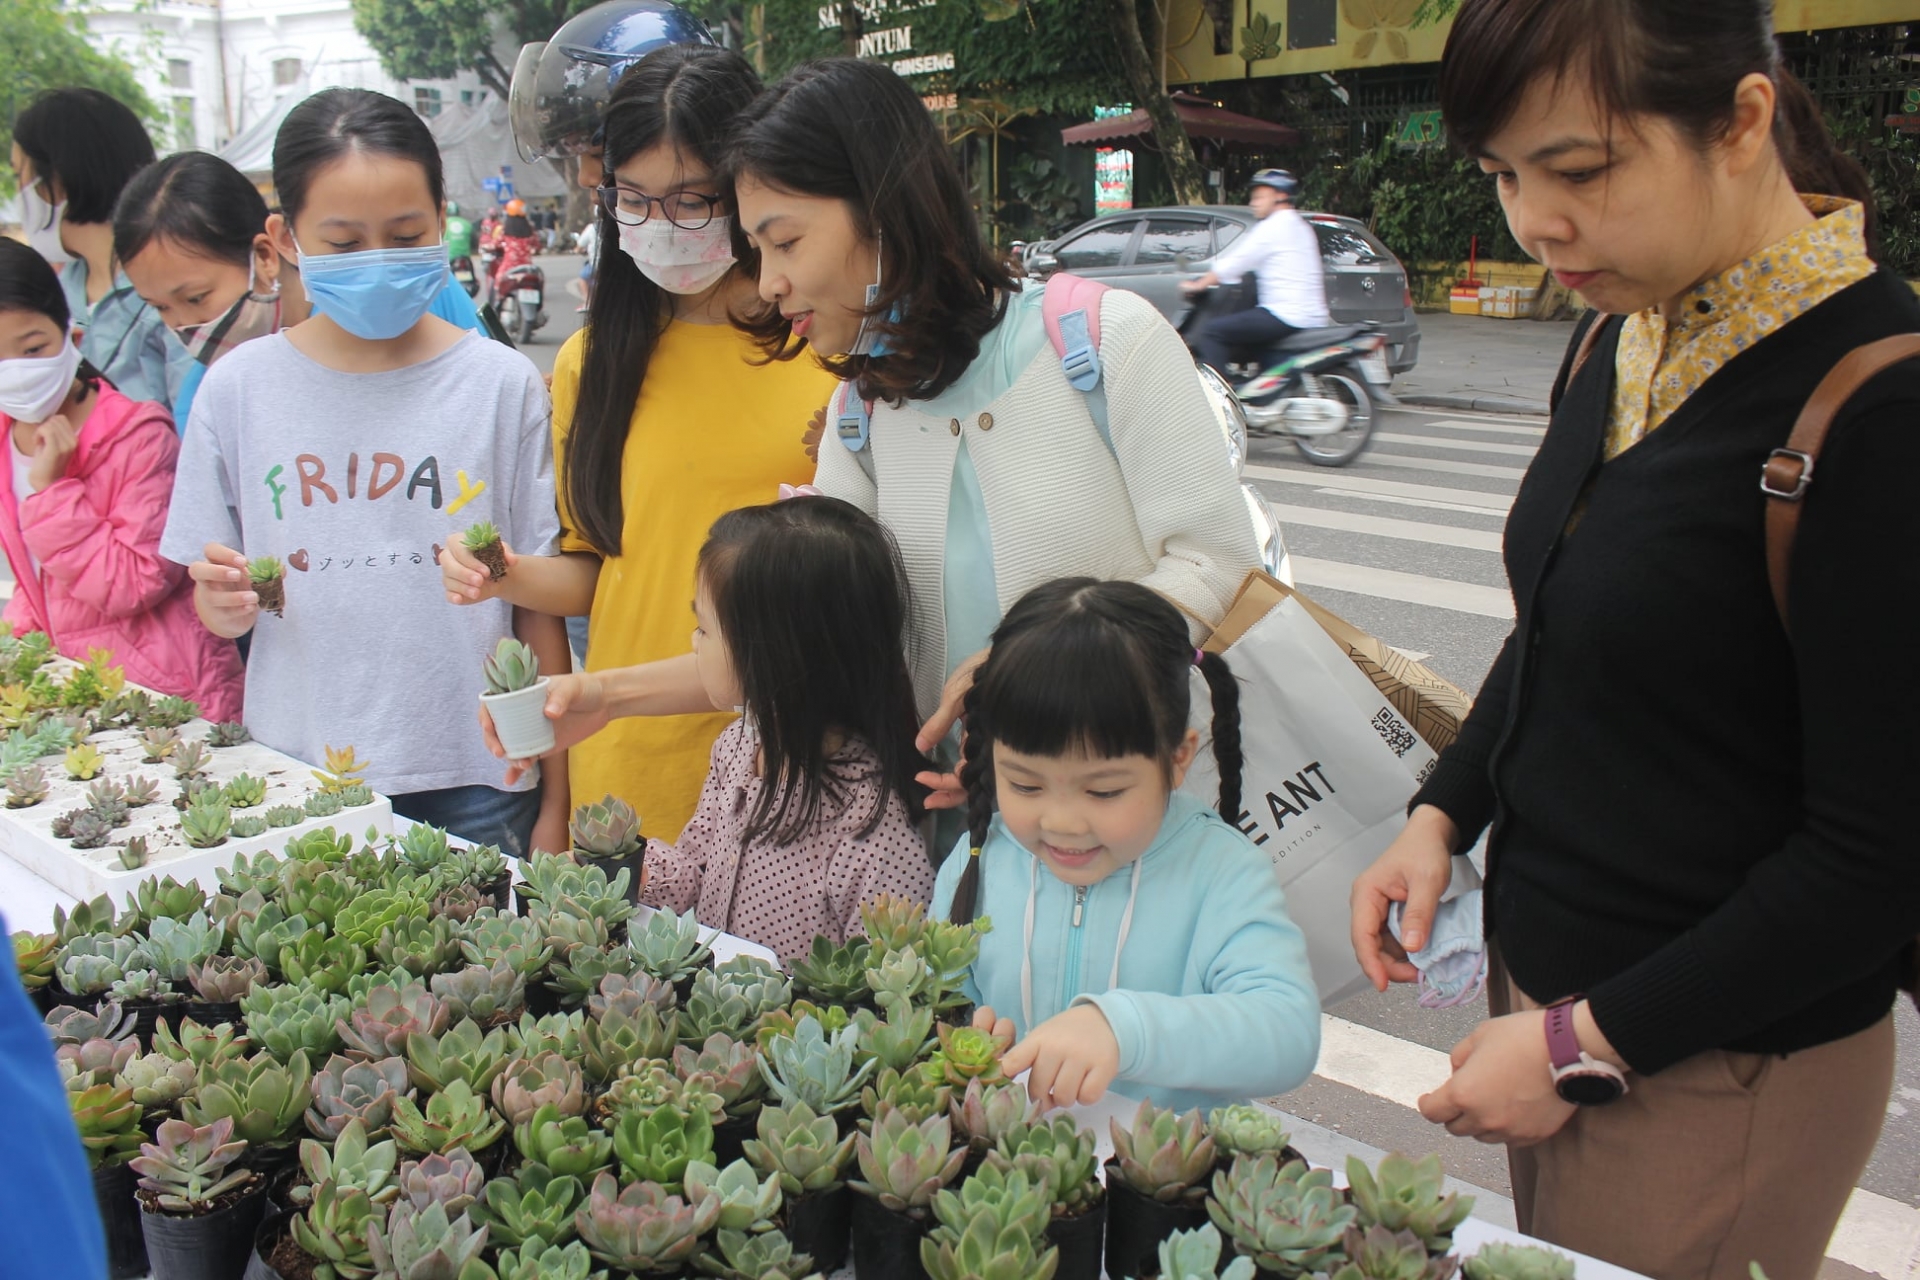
<point x="1071" y="972"/>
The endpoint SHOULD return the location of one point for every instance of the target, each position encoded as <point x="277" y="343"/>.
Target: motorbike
<point x="464" y="274"/>
<point x="522" y="301"/>
<point x="1322" y="388"/>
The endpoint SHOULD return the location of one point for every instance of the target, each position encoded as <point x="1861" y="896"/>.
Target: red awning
<point x="1203" y="121"/>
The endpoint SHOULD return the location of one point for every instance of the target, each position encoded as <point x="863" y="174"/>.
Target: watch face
<point x="1588" y="1088"/>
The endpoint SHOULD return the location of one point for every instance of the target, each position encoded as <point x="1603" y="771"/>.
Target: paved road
<point x="563" y="282"/>
<point x="1405" y="543"/>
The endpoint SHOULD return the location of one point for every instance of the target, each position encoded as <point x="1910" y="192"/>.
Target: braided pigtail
<point x="976" y="776"/>
<point x="1226" y="731"/>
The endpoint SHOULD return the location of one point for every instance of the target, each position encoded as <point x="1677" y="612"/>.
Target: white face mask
<point x="33" y="387"/>
<point x="678" y="260"/>
<point x="42" y="223"/>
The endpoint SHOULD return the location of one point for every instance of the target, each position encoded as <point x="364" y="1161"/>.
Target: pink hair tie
<point x="798" y="491"/>
<point x="1199" y="656"/>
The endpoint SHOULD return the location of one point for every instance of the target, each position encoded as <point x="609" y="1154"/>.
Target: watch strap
<point x="1563" y="1045"/>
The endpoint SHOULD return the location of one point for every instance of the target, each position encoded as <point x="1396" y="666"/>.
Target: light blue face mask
<point x="375" y="293"/>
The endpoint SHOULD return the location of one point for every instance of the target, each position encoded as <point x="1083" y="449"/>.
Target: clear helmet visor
<point x="561" y="86"/>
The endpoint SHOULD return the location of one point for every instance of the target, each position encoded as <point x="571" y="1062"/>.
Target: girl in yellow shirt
<point x="665" y="417"/>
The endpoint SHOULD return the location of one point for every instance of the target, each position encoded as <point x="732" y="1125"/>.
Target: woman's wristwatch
<point x="1578" y="1076"/>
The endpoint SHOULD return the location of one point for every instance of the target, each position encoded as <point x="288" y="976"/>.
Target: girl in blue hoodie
<point x="1141" y="941"/>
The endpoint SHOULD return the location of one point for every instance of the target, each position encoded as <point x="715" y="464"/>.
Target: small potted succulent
<point x="1058" y="1157"/>
<point x="268" y="577"/>
<point x="811" y="1067"/>
<point x="199" y="1203"/>
<point x="1248" y="1129"/>
<point x="809" y="1156"/>
<point x="1195" y="1255"/>
<point x="903" y="1166"/>
<point x="607" y="835"/>
<point x="516" y="700"/>
<point x="1156" y="1185"/>
<point x="1497" y="1261"/>
<point x="1404" y="1194"/>
<point x="1287" y="1218"/>
<point x="109" y="1122"/>
<point x="642" y="1228"/>
<point x="482" y="541"/>
<point x="994" y="1225"/>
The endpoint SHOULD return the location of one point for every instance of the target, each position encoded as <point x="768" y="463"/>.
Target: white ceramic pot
<point x="520" y="719"/>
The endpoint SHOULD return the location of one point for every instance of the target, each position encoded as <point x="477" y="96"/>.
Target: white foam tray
<point x="26" y="836"/>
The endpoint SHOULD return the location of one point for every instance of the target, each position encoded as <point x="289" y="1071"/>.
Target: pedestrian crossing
<point x="1405" y="542"/>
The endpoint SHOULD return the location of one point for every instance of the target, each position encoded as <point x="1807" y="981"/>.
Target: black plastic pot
<point x="1136" y="1225"/>
<point x="962" y="1016"/>
<point x="499" y="890"/>
<point x="149" y="1014"/>
<point x="729" y="1140"/>
<point x="612" y="866"/>
<point x="214" y="1246"/>
<point x="886" y="1245"/>
<point x="541" y="999"/>
<point x="521" y="903"/>
<point x="120" y="1215"/>
<point x="266" y="1237"/>
<point x="1080" y="1240"/>
<point x="211" y="1013"/>
<point x="820" y="1224"/>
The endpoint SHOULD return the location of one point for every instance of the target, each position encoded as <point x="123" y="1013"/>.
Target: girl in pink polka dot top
<point x="810" y="807"/>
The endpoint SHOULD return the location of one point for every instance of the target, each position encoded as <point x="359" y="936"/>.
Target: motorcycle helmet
<point x="560" y="86"/>
<point x="1280" y="180"/>
<point x="453" y="208"/>
<point x="516" y="207"/>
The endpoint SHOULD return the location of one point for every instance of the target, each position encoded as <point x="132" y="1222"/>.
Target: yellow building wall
<point x="1374" y="33"/>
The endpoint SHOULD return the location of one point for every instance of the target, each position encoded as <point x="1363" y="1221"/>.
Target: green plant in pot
<point x="453" y="1117"/>
<point x="644" y="1087"/>
<point x="264" y="1098"/>
<point x="92" y="1062"/>
<point x="965" y="1054"/>
<point x="727" y="1068"/>
<point x="199" y="1203"/>
<point x="642" y="1228"/>
<point x="993" y="1227"/>
<point x="158" y="1082"/>
<point x="986" y="1113"/>
<point x="625" y="992"/>
<point x="733" y="999"/>
<point x="486" y="995"/>
<point x="747" y="1202"/>
<point x="669" y="947"/>
<point x="422" y="945"/>
<point x="1156" y="1182"/>
<point x="811" y="1068"/>
<point x="607" y="834"/>
<point x="516" y="700"/>
<point x="464" y="1053"/>
<point x="566" y="1145"/>
<point x="203" y="1046"/>
<point x="900" y="1040"/>
<point x="547" y="1079"/>
<point x="334" y="1229"/>
<point x="657" y="1146"/>
<point x="1287" y="1218"/>
<point x="834" y="974"/>
<point x="226" y="979"/>
<point x="286" y="1020"/>
<point x="428" y="1244"/>
<point x="802" y="1147"/>
<point x="746" y="1255"/>
<point x="348" y="1091"/>
<point x="109" y="1123"/>
<point x="1408" y="1195"/>
<point x="451" y="1179"/>
<point x="624" y="1037"/>
<point x="493" y="938"/>
<point x="537" y="1261"/>
<point x="1380" y="1254"/>
<point x="911" y="1092"/>
<point x="1497" y="1261"/>
<point x="383" y="1026"/>
<point x="903" y="1164"/>
<point x="1195" y="1255"/>
<point x="533" y="1205"/>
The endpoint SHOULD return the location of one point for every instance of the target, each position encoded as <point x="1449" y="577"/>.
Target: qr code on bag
<point x="1393" y="732"/>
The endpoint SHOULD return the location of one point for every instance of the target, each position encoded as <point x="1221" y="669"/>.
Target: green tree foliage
<point x="435" y="39"/>
<point x="46" y="47"/>
<point x="1428" y="205"/>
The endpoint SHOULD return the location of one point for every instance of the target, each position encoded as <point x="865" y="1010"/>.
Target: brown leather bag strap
<point x="1789" y="470"/>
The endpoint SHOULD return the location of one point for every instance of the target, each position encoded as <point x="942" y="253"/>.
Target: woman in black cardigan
<point x="1702" y="870"/>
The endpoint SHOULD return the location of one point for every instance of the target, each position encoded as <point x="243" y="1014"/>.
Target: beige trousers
<point x="1719" y="1161"/>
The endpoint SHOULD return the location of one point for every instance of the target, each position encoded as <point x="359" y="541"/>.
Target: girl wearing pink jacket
<point x="83" y="503"/>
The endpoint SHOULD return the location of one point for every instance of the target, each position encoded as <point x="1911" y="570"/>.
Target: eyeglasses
<point x="687" y="210"/>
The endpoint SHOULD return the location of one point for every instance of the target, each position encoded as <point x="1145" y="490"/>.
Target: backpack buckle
<point x="1080" y="361"/>
<point x="1786" y="475"/>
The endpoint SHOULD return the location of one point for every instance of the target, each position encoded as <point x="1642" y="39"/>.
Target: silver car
<point x="1149" y="251"/>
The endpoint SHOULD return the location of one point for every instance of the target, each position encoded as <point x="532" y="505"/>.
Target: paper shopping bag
<point x="1330" y="756"/>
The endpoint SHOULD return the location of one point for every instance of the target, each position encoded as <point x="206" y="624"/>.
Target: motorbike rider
<point x="561" y="86"/>
<point x="1284" y="253"/>
<point x="458" y="236"/>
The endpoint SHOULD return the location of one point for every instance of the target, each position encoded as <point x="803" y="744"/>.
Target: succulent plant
<point x="270" y="933"/>
<point x="727" y="1068"/>
<point x="459" y="902"/>
<point x="1247" y="1130"/>
<point x="669" y="947"/>
<point x="133" y="854"/>
<point x="898" y="979"/>
<point x="1058" y="1155"/>
<point x="903" y="1164"/>
<point x="1496" y="1261"/>
<point x="143" y="986"/>
<point x="608" y="829"/>
<point x="450" y="1179"/>
<point x="555" y="1033"/>
<point x="577" y="971"/>
<point x="421" y="944"/>
<point x="228" y="733"/>
<point x="334" y="1228"/>
<point x="747" y="1203"/>
<point x="83" y="761"/>
<point x="422" y="846"/>
<point x="1195" y="1255"/>
<point x="620" y="1038"/>
<point x="247" y="826"/>
<point x="492" y="938"/>
<point x="454" y="1117"/>
<point x="109" y="1122"/>
<point x="911" y="1091"/>
<point x="837" y="974"/>
<point x="564" y="1144"/>
<point x="642" y="1228"/>
<point x="262" y="1097"/>
<point x="985" y="1113"/>
<point x="893" y="923"/>
<point x="158" y="1082"/>
<point x="383" y="1027"/>
<point x="354" y="1159"/>
<point x="355" y="794"/>
<point x="349" y="1091"/>
<point x="462" y="1053"/>
<point x="195" y="791"/>
<point x="285" y="815"/>
<point x="202" y="1046"/>
<point x="315" y="889"/>
<point x="625" y="993"/>
<point x="366" y="917"/>
<point x="1287" y="1218"/>
<point x="528" y="1084"/>
<point x="344" y="769"/>
<point x="534" y="1261"/>
<point x="190" y="761"/>
<point x="950" y="950"/>
<point x="323" y="804"/>
<point x="1164" y="1155"/>
<point x="34" y="956"/>
<point x="746" y="1255"/>
<point x="225" y="979"/>
<point x="833" y="1019"/>
<point x="159" y="742"/>
<point x="289" y="1020"/>
<point x="174" y="948"/>
<point x="186" y="1167"/>
<point x="90" y="964"/>
<point x="657" y="1145"/>
<point x="511" y="667"/>
<point x="96" y="1061"/>
<point x="109" y="799"/>
<point x="61" y="828"/>
<point x="1408" y="1195"/>
<point x="899" y="1041"/>
<point x="534" y="1205"/>
<point x="808" y="1067"/>
<point x="206" y="825"/>
<point x="733" y="999"/>
<point x="645" y="1087"/>
<point x="1380" y="1254"/>
<point x="324" y="962"/>
<point x="244" y="791"/>
<point x="803" y="1148"/>
<point x="323" y="844"/>
<point x="480" y="865"/>
<point x="26" y="786"/>
<point x="140" y="792"/>
<point x="91" y="829"/>
<point x="967" y="1053"/>
<point x="997" y="1218"/>
<point x="427" y="1245"/>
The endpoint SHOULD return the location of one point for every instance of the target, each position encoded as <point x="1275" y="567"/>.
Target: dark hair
<point x="29" y="283"/>
<point x="335" y="122"/>
<point x="196" y="200"/>
<point x="688" y="96"/>
<point x="812" y="598"/>
<point x="1679" y="61"/>
<point x="854" y="131"/>
<point x="91" y="142"/>
<point x="1083" y="665"/>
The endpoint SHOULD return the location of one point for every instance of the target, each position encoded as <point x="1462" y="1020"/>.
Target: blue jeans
<point x="577" y="636"/>
<point x="479" y="815"/>
<point x="1253" y="330"/>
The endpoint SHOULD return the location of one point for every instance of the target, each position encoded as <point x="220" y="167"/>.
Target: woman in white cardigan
<point x="987" y="466"/>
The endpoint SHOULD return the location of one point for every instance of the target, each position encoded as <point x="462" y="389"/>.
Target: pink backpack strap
<point x="1071" y="309"/>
